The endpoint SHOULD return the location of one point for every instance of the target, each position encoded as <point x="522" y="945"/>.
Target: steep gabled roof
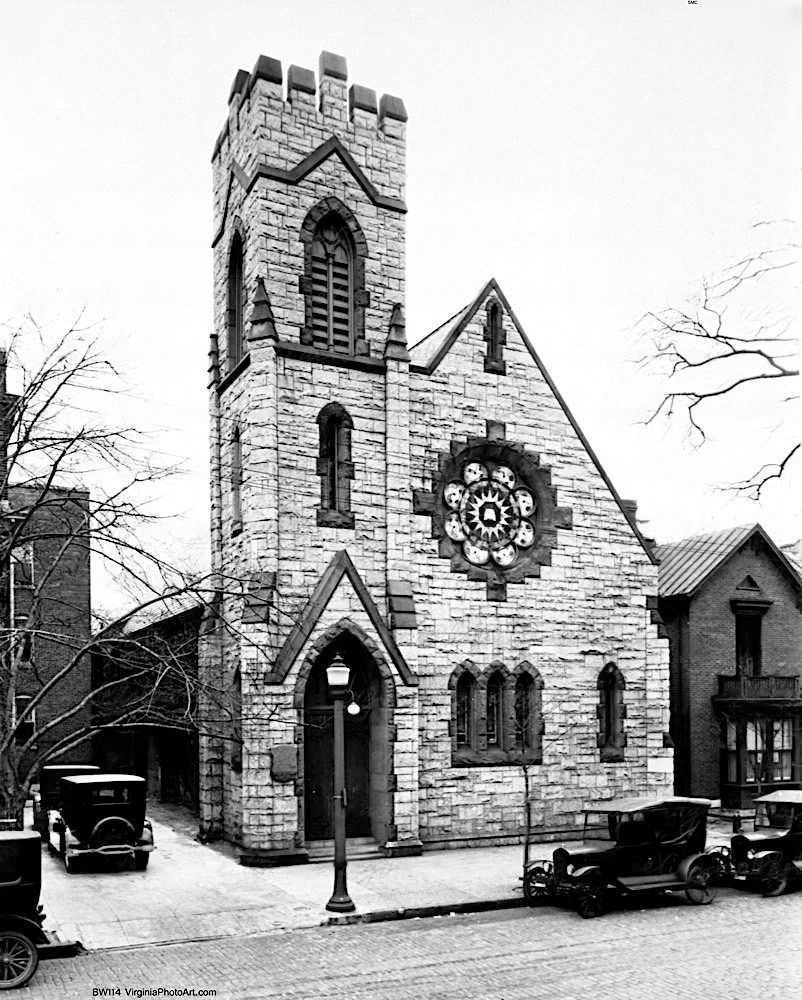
<point x="430" y="350"/>
<point x="687" y="564"/>
<point x="339" y="567"/>
<point x="428" y="347"/>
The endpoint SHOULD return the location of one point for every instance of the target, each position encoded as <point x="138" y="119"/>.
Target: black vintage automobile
<point x="47" y="796"/>
<point x="21" y="916"/>
<point x="102" y="816"/>
<point x="770" y="859"/>
<point x="629" y="846"/>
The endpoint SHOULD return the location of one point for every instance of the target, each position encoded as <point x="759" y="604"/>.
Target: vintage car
<point x="21" y="916"/>
<point x="770" y="859"/>
<point x="629" y="846"/>
<point x="101" y="816"/>
<point x="46" y="796"/>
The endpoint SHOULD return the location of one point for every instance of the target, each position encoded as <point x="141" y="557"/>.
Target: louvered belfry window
<point x="333" y="287"/>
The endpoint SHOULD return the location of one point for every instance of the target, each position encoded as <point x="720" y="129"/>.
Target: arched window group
<point x="611" y="711"/>
<point x="335" y="467"/>
<point x="496" y="714"/>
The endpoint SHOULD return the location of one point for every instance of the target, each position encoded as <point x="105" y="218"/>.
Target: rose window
<point x="490" y="514"/>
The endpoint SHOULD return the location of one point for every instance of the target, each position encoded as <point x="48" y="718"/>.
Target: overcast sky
<point x="596" y="158"/>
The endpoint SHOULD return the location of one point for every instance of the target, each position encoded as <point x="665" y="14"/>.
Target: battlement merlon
<point x="261" y="110"/>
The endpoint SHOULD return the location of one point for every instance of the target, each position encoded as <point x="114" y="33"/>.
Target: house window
<point x="755" y="731"/>
<point x="494" y="723"/>
<point x="732" y="751"/>
<point x="335" y="468"/>
<point x="24" y="638"/>
<point x="22" y="565"/>
<point x="236" y="303"/>
<point x="236" y="721"/>
<point x="747" y="644"/>
<point x="611" y="712"/>
<point x="465" y="696"/>
<point x="236" y="480"/>
<point x="495" y="338"/>
<point x="782" y="739"/>
<point x="333" y="283"/>
<point x="25" y="729"/>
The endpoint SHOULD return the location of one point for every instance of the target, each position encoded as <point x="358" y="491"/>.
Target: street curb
<point x="61" y="949"/>
<point x="418" y="912"/>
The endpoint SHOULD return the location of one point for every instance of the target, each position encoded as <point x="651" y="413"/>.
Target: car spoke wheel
<point x="590" y="898"/>
<point x="773" y="877"/>
<point x="698" y="887"/>
<point x="538" y="885"/>
<point x="18" y="959"/>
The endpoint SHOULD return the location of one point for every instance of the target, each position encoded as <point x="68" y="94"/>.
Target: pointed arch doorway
<point x="367" y="746"/>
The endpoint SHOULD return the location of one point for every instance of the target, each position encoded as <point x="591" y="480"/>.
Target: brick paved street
<point x="741" y="947"/>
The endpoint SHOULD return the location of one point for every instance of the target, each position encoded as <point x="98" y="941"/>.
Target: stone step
<point x="356" y="849"/>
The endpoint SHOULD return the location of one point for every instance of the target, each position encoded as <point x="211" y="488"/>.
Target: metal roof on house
<point x="685" y="565"/>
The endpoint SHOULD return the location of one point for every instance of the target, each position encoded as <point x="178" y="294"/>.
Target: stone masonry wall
<point x="275" y="399"/>
<point x="586" y="609"/>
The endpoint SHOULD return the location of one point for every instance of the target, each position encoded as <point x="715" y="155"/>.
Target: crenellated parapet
<point x="329" y="103"/>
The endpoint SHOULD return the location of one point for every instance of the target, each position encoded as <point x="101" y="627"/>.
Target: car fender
<point x="685" y="864"/>
<point x="765" y="855"/>
<point x="587" y="874"/>
<point x="25" y="925"/>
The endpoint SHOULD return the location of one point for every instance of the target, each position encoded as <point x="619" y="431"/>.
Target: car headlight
<point x="569" y="869"/>
<point x="750" y="855"/>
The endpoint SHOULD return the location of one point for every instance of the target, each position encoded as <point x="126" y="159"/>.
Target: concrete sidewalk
<point x="193" y="891"/>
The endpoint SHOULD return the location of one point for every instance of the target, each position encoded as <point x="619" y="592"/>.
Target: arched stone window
<point x="466" y="698"/>
<point x="495" y="715"/>
<point x="236" y="303"/>
<point x="611" y="712"/>
<point x="333" y="283"/>
<point x="236" y="480"/>
<point x="236" y="721"/>
<point x="528" y="712"/>
<point x="495" y="338"/>
<point x="334" y="466"/>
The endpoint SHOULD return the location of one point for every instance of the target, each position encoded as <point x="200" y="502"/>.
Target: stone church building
<point x="425" y="506"/>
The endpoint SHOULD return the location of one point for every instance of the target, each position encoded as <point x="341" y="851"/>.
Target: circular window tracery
<point x="490" y="514"/>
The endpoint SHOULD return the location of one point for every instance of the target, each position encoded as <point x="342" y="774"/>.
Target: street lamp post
<point x="337" y="675"/>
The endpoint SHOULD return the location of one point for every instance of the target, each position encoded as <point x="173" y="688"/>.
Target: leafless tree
<point x="734" y="345"/>
<point x="71" y="482"/>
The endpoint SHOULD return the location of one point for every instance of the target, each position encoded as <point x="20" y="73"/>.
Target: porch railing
<point x="763" y="686"/>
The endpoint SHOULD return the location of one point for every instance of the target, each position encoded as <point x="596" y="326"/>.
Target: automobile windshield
<point x="774" y="816"/>
<point x="601" y="826"/>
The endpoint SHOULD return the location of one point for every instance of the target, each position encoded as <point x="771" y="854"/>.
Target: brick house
<point x="431" y="511"/>
<point x="50" y="607"/>
<point x="731" y="602"/>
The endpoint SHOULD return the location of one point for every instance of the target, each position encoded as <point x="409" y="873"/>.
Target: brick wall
<point x="711" y="649"/>
<point x="62" y="583"/>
